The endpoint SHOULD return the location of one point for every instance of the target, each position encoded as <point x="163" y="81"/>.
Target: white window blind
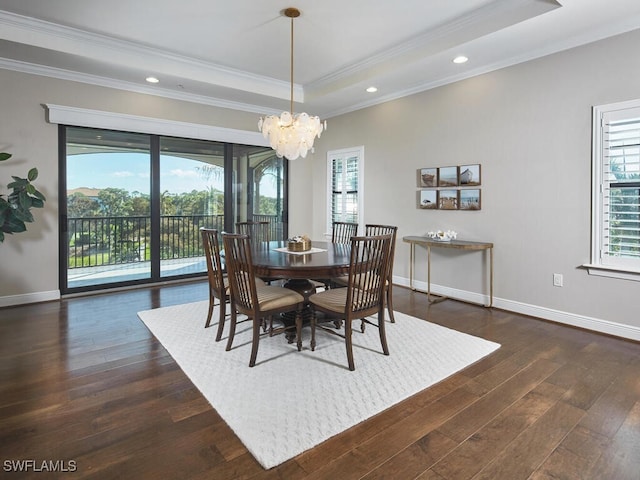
<point x="617" y="174"/>
<point x="344" y="186"/>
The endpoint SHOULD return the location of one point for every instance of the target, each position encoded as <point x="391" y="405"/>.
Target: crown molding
<point x="73" y="41"/>
<point x="480" y="22"/>
<point x="60" y="74"/>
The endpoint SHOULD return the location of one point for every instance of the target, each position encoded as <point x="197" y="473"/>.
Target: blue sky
<point x="130" y="171"/>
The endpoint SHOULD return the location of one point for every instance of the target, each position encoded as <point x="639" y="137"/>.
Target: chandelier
<point x="291" y="135"/>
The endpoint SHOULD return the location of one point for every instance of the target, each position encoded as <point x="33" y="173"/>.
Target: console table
<point x="456" y="244"/>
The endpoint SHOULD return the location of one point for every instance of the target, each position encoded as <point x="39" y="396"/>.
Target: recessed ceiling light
<point x="460" y="59"/>
<point x="152" y="80"/>
<point x="372" y="89"/>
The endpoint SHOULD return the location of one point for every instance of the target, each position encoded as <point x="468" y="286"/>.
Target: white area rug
<point x="302" y="385"/>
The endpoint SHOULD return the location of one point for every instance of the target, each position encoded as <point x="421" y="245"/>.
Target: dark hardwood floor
<point x="82" y="382"/>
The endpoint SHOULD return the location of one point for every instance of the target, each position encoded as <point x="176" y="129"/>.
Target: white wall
<point x="529" y="126"/>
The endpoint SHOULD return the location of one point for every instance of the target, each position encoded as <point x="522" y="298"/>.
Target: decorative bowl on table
<point x="299" y="243"/>
<point x="443" y="236"/>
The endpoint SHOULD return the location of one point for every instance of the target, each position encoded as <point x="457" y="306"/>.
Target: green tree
<point x="115" y="202"/>
<point x="81" y="206"/>
<point x="140" y="204"/>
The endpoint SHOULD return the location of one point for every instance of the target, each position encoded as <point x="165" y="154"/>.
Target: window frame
<point x="343" y="154"/>
<point x="155" y="128"/>
<point x="600" y="264"/>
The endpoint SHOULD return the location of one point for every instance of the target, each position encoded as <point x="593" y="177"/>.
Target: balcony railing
<point x="99" y="241"/>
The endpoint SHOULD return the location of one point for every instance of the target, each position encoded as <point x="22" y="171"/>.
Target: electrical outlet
<point x="557" y="279"/>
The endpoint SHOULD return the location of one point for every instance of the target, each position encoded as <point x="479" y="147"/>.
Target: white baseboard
<point x="11" y="300"/>
<point x="596" y="324"/>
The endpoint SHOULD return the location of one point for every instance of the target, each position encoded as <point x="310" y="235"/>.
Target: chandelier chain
<point x="291" y="66"/>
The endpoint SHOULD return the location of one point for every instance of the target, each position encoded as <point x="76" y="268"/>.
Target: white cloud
<point x="178" y="172"/>
<point x="123" y="174"/>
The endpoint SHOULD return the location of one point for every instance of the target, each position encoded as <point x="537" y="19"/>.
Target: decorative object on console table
<point x="442" y="235"/>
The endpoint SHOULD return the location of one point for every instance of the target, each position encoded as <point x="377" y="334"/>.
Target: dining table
<point x="301" y="271"/>
<point x="323" y="260"/>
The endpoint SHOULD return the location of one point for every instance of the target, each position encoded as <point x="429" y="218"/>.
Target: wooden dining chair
<point x="259" y="234"/>
<point x="218" y="281"/>
<point x="343" y="231"/>
<point x="259" y="304"/>
<point x="258" y="231"/>
<point x="372" y="229"/>
<point x="363" y="296"/>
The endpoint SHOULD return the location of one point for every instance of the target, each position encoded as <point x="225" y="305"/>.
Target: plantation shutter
<point x="620" y="188"/>
<point x="345" y="181"/>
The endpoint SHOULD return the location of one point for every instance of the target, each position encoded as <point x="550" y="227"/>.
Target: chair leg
<point x="255" y="341"/>
<point x="223" y="313"/>
<point x="210" y="313"/>
<point x="383" y="332"/>
<point x="389" y="298"/>
<point x="349" y="344"/>
<point x="232" y="329"/>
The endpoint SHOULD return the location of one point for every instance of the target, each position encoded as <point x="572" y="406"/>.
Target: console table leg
<point x="429" y="274"/>
<point x="412" y="254"/>
<point x="491" y="277"/>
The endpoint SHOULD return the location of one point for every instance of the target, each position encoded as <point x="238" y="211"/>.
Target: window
<point x="132" y="203"/>
<point x="616" y="190"/>
<point x="345" y="190"/>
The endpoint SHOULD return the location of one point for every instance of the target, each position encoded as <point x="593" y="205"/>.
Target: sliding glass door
<point x="132" y="204"/>
<point x="191" y="195"/>
<point x="108" y="215"/>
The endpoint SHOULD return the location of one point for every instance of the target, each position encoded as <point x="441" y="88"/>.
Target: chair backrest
<point x="368" y="271"/>
<point x="257" y="231"/>
<point x="214" y="264"/>
<point x="371" y="229"/>
<point x="343" y="231"/>
<point x="242" y="282"/>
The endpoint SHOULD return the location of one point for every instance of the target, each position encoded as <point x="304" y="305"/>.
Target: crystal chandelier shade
<point x="291" y="135"/>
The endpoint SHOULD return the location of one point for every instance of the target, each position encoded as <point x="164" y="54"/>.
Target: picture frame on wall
<point x="428" y="199"/>
<point x="470" y="199"/>
<point x="469" y="175"/>
<point x="449" y="188"/>
<point x="428" y="177"/>
<point x="447" y="176"/>
<point x="448" y="199"/>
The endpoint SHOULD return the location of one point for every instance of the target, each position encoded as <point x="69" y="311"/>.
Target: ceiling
<point x="236" y="54"/>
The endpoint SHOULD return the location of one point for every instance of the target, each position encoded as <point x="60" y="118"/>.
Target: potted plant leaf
<point x="15" y="208"/>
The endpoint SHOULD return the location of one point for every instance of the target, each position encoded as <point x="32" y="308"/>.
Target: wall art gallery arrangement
<point x="449" y="188"/>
